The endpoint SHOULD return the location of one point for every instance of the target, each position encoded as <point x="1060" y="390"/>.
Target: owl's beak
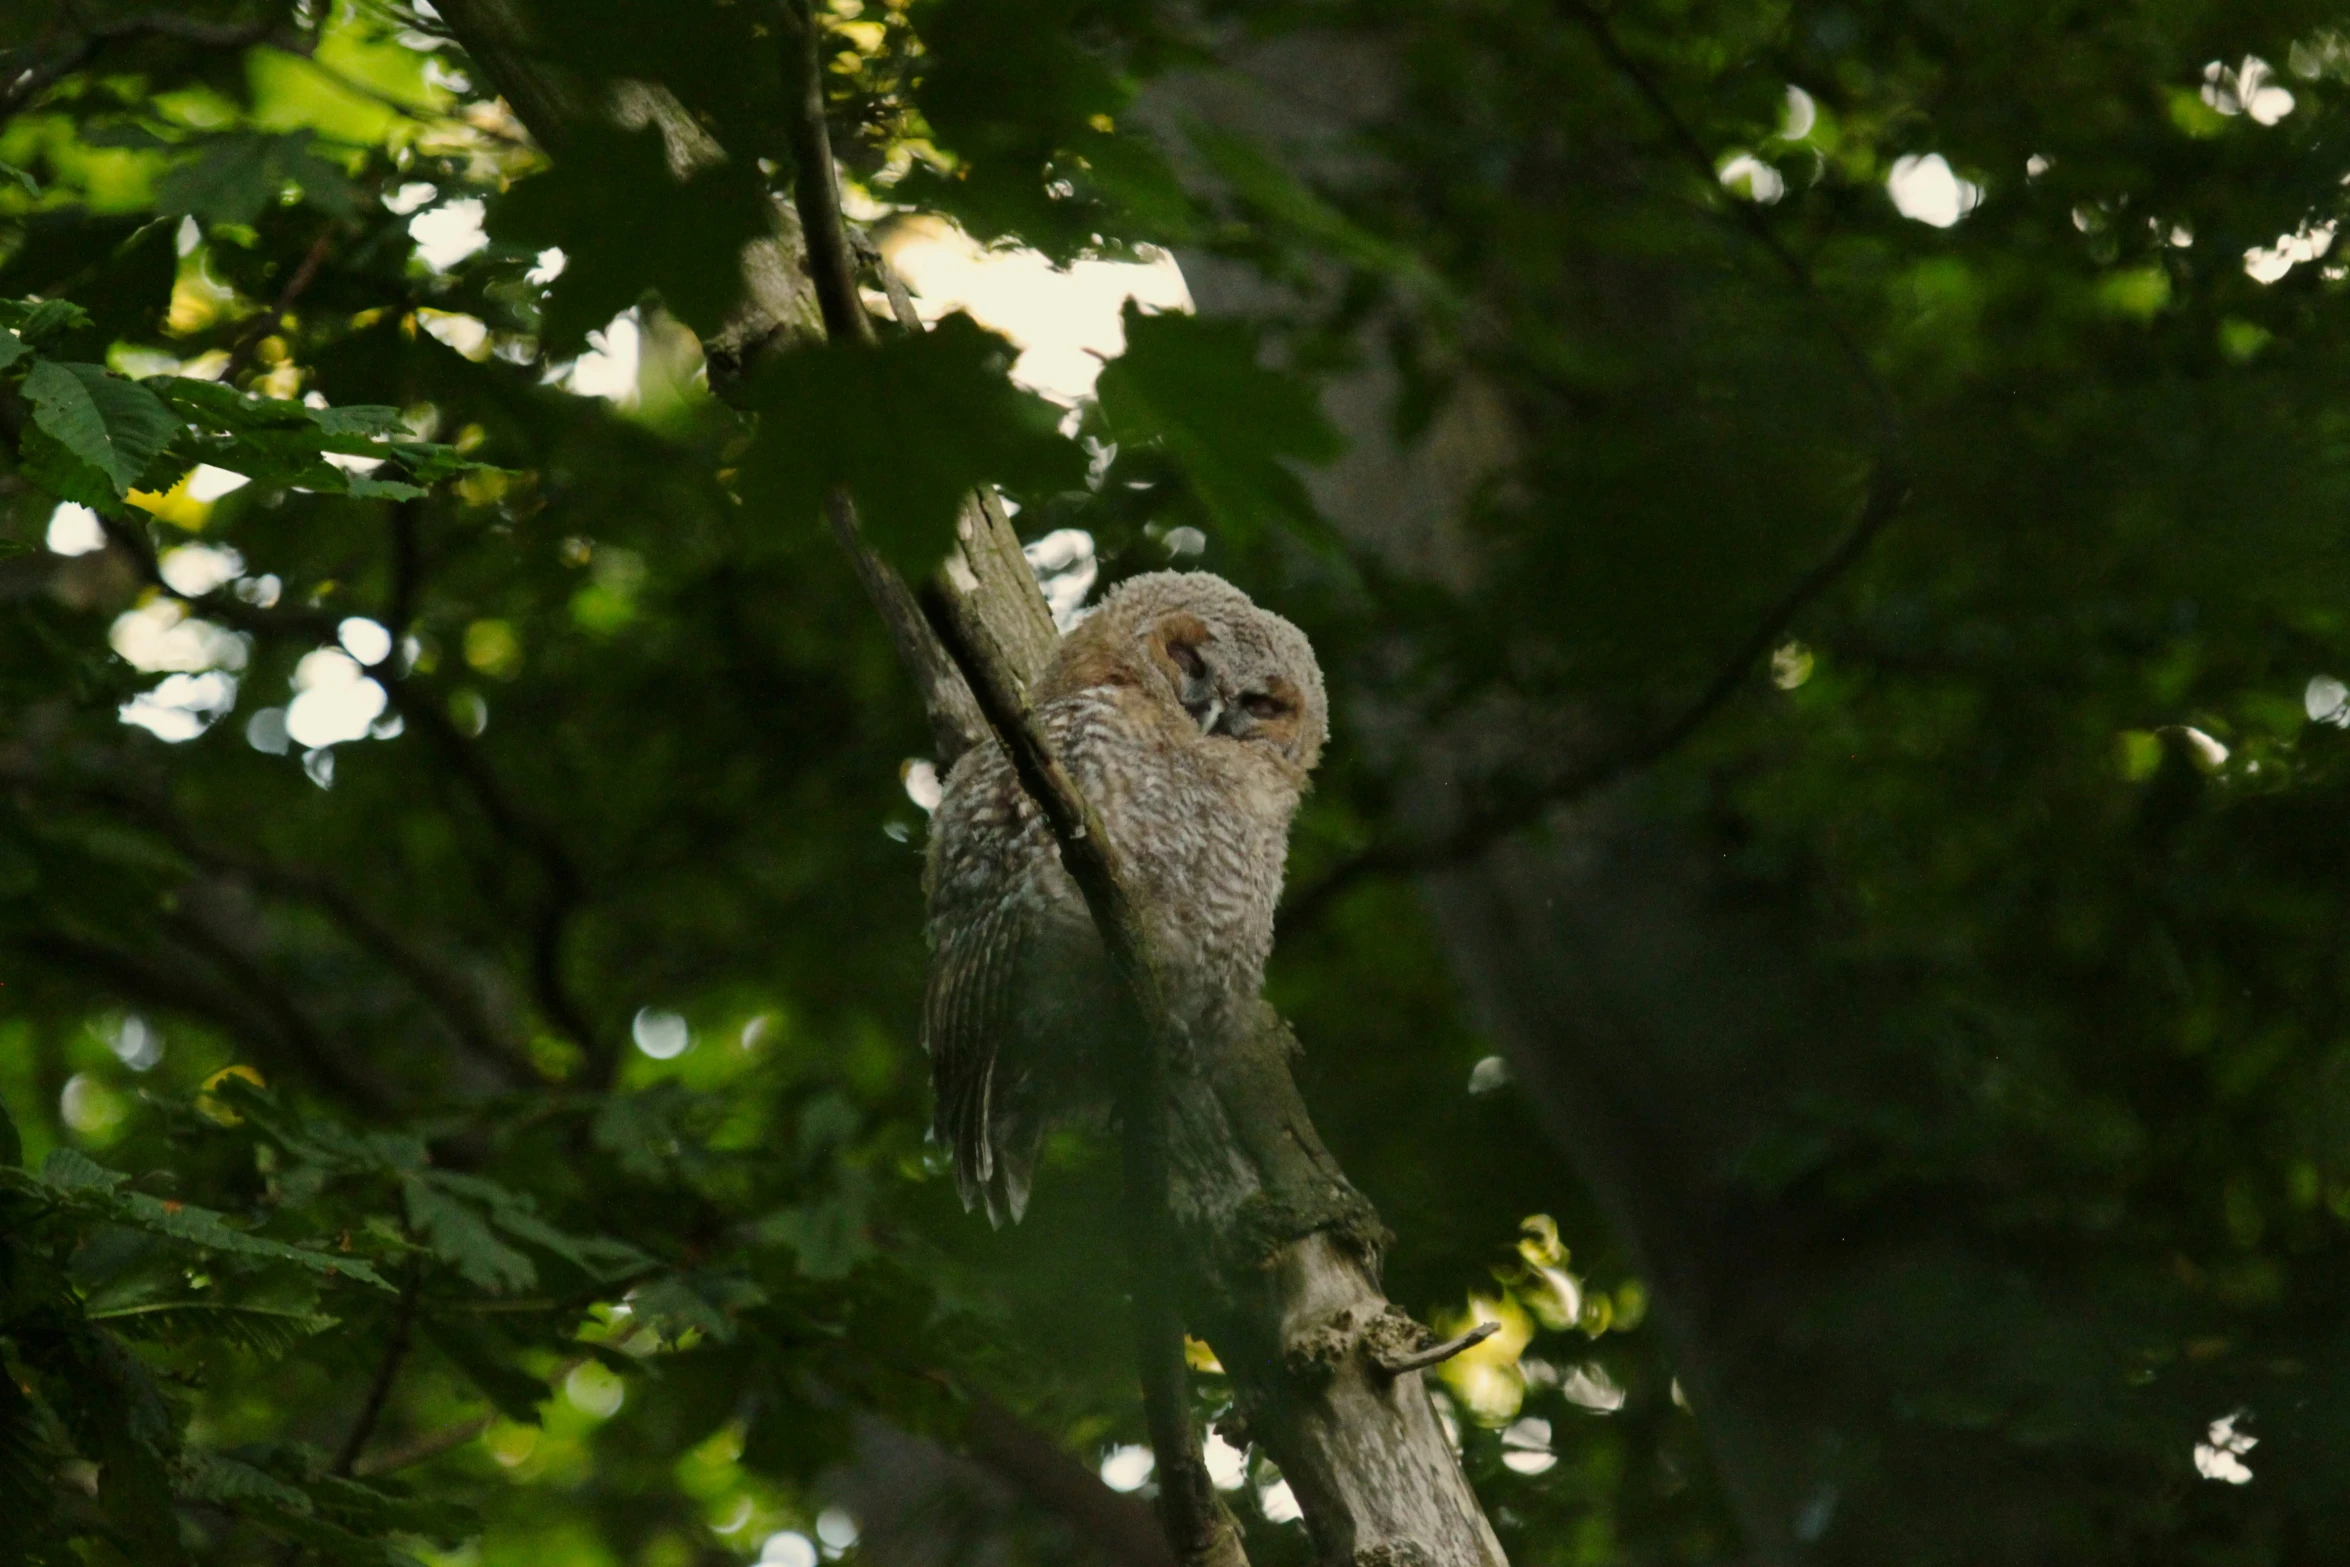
<point x="1234" y="721"/>
<point x="1209" y="712"/>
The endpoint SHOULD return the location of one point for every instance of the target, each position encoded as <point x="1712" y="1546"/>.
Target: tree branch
<point x="261" y="326"/>
<point x="1522" y="806"/>
<point x="379" y="1390"/>
<point x="89" y="40"/>
<point x="1888" y="488"/>
<point x="447" y="993"/>
<point x="1746" y="214"/>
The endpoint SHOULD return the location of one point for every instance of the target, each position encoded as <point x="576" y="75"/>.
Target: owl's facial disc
<point x="1265" y="715"/>
<point x="1177" y="641"/>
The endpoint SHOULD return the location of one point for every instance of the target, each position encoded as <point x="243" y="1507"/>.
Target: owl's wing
<point x="969" y="1023"/>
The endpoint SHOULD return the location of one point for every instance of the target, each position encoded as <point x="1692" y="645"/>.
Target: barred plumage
<point x="1191" y="719"/>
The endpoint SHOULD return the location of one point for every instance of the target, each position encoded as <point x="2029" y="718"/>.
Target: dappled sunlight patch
<point x="161" y="635"/>
<point x="1066" y="321"/>
<point x="661" y="1034"/>
<point x="2220" y="1455"/>
<point x="334" y="700"/>
<point x="1925" y="189"/>
<point x="1127" y="1468"/>
<point x="183" y="706"/>
<point x="2249" y="88"/>
<point x="74" y="530"/>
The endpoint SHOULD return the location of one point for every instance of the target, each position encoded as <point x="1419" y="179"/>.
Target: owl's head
<point x="1235" y="671"/>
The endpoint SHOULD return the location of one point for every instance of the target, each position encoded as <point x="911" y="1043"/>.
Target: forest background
<point x="1823" y="914"/>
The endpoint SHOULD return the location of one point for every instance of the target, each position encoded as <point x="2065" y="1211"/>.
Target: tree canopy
<point x="1822" y="913"/>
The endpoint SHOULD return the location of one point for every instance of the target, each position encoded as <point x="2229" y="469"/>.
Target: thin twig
<point x="430" y="1445"/>
<point x="89" y="39"/>
<point x="387" y="1371"/>
<point x="1437" y="1354"/>
<point x="269" y="321"/>
<point x="1747" y="215"/>
<point x="832" y="263"/>
<point x="1888" y="488"/>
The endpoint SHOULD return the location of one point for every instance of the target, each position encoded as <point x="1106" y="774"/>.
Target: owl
<point x="1191" y="719"/>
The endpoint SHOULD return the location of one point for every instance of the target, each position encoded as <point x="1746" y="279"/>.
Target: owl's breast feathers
<point x="1021" y="1003"/>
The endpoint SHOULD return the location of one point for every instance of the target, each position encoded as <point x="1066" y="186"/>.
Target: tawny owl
<point x="1190" y="718"/>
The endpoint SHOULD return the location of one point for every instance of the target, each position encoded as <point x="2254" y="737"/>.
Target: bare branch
<point x="87" y="41"/>
<point x="387" y="1371"/>
<point x="269" y="321"/>
<point x="1521" y="807"/>
<point x="1435" y="1354"/>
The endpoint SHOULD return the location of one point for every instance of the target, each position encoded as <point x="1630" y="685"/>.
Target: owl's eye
<point x="1263" y="705"/>
<point x="1188" y="660"/>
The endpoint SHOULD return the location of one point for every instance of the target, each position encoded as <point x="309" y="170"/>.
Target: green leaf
<point x="12" y="348"/>
<point x="705" y="1300"/>
<point x="214" y="1477"/>
<point x="626" y="224"/>
<point x="26" y="1462"/>
<point x="1016" y="91"/>
<point x="909" y="426"/>
<point x="1196" y="390"/>
<point x="237" y="177"/>
<point x="44" y="321"/>
<point x="72" y="1175"/>
<point x="263" y="1330"/>
<point x="365" y="487"/>
<point x="517" y="1214"/>
<point x="461" y="1237"/>
<point x="71" y="1170"/>
<point x="114" y="425"/>
<point x="202" y="1227"/>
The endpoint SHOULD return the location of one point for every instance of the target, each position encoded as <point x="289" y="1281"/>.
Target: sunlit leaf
<point x="1233" y="426"/>
<point x="114" y="425"/>
<point x="909" y="427"/>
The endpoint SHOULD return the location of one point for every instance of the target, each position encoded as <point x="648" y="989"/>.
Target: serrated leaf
<point x="72" y="1174"/>
<point x="236" y="177"/>
<point x="264" y="1330"/>
<point x="1196" y="390"/>
<point x="202" y="1227"/>
<point x="460" y="1236"/>
<point x="214" y="1477"/>
<point x="44" y="461"/>
<point x="627" y="224"/>
<point x="357" y="419"/>
<point x="910" y="427"/>
<point x="71" y="1170"/>
<point x="366" y="487"/>
<point x="50" y="318"/>
<point x="114" y="425"/>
